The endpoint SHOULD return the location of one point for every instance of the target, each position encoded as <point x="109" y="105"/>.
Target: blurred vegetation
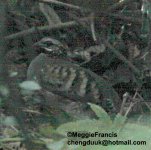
<point x="110" y="38"/>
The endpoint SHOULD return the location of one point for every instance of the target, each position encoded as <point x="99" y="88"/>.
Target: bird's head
<point x="52" y="47"/>
<point x="59" y="50"/>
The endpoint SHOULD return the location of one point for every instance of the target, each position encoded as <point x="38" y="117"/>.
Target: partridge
<point x="69" y="80"/>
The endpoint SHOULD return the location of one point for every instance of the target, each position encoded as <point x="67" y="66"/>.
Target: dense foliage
<point x="110" y="38"/>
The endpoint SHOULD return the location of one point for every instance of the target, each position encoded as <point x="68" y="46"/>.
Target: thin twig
<point x="129" y="108"/>
<point x="64" y="25"/>
<point x="32" y="111"/>
<point x="50" y="14"/>
<point x="40" y="29"/>
<point x="61" y="4"/>
<point x="144" y="101"/>
<point x="44" y="28"/>
<point x="125" y="97"/>
<point x="136" y="92"/>
<point x="16" y="139"/>
<point x="92" y="25"/>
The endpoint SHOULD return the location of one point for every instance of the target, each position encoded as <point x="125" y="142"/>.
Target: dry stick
<point x="136" y="92"/>
<point x="32" y="111"/>
<point x="133" y="103"/>
<point x="61" y="4"/>
<point x="110" y="9"/>
<point x="144" y="101"/>
<point x="15" y="139"/>
<point x="129" y="108"/>
<point x="50" y="14"/>
<point x="125" y="97"/>
<point x="92" y="26"/>
<point x="41" y="29"/>
<point x="106" y="13"/>
<point x="64" y="25"/>
<point x="77" y="8"/>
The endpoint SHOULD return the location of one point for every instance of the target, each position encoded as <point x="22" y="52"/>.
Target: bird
<point x="67" y="79"/>
<point x="52" y="47"/>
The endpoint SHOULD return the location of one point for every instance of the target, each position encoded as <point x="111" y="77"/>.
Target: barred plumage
<point x="69" y="80"/>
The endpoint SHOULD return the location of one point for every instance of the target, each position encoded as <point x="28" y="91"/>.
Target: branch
<point x="41" y="29"/>
<point x="65" y="25"/>
<point x="61" y="4"/>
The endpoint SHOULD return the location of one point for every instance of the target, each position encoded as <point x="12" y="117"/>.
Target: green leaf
<point x="119" y="121"/>
<point x="57" y="145"/>
<point x="129" y="131"/>
<point x="101" y="113"/>
<point x="86" y="125"/>
<point x="12" y="2"/>
<point x="46" y="130"/>
<point x="10" y="120"/>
